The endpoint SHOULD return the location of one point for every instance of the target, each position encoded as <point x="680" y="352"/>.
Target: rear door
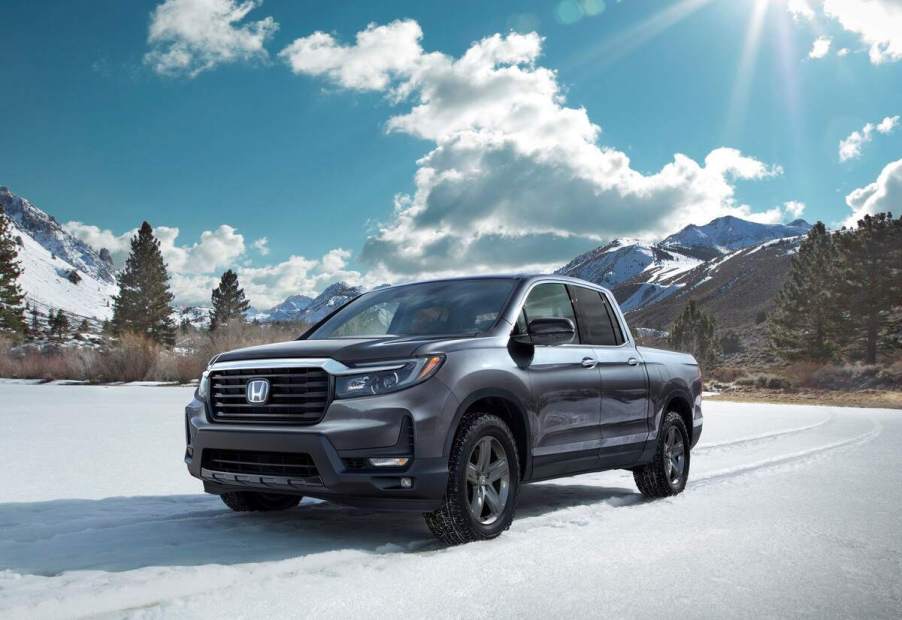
<point x="566" y="389"/>
<point x="624" y="381"/>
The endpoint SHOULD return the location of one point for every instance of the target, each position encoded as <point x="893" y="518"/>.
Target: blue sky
<point x="102" y="127"/>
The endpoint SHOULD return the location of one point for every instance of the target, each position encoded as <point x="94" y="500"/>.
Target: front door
<point x="566" y="389"/>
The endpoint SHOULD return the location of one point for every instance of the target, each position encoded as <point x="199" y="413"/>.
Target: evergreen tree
<point x="695" y="331"/>
<point x="229" y="302"/>
<point x="807" y="322"/>
<point x="12" y="318"/>
<point x="35" y="321"/>
<point x="870" y="282"/>
<point x="144" y="303"/>
<point x="58" y="324"/>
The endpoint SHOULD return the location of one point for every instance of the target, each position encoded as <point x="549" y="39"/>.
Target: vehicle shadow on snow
<point x="124" y="533"/>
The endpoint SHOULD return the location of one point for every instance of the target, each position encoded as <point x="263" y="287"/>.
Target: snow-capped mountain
<point x="735" y="288"/>
<point x="60" y="272"/>
<point x="47" y="232"/>
<point x="625" y="259"/>
<point x="728" y="233"/>
<point x="303" y="309"/>
<point x="285" y="311"/>
<point x="641" y="274"/>
<point x="734" y="268"/>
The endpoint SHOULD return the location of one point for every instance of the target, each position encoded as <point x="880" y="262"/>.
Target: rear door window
<point x="597" y="323"/>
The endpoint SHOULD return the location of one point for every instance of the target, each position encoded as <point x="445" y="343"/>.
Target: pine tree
<point x="870" y="281"/>
<point x="58" y="324"/>
<point x="229" y="302"/>
<point x="807" y="322"/>
<point x="12" y="318"/>
<point x="144" y="303"/>
<point x="35" y="321"/>
<point x="61" y="325"/>
<point x="695" y="331"/>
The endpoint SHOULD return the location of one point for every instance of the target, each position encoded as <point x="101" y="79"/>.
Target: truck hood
<point x="347" y="351"/>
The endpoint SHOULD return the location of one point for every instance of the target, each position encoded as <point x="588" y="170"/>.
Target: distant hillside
<point x="735" y="288"/>
<point x="48" y="233"/>
<point x="729" y="233"/>
<point x="49" y="255"/>
<point x="302" y="309"/>
<point x="731" y="267"/>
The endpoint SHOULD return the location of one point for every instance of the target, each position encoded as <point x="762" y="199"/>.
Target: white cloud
<point x="516" y="179"/>
<point x="800" y="10"/>
<point x="877" y="22"/>
<point x="271" y="284"/>
<point x="842" y="52"/>
<point x="97" y="238"/>
<point x="262" y="246"/>
<point x="884" y="194"/>
<point x="188" y="37"/>
<point x="850" y="147"/>
<point x="195" y="268"/>
<point x="888" y="124"/>
<point x="820" y="47"/>
<point x="380" y="54"/>
<point x="793" y="209"/>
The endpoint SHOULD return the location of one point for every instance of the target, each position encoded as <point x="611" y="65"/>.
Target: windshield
<point x="453" y="307"/>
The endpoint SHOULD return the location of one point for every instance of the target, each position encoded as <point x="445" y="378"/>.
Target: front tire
<point x="253" y="501"/>
<point x="666" y="475"/>
<point x="483" y="482"/>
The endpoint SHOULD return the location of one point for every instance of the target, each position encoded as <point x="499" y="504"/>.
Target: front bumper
<point x="350" y="431"/>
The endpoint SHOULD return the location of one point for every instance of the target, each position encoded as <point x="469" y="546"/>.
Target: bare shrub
<point x="133" y="357"/>
<point x="727" y="374"/>
<point x="847" y="376"/>
<point x="194" y="350"/>
<point x="130" y="359"/>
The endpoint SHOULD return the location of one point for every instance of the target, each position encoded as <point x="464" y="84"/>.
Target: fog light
<point x="389" y="461"/>
<point x="406" y="483"/>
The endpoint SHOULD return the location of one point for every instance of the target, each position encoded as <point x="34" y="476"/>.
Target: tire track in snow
<point x="802" y="455"/>
<point x="584" y="514"/>
<point x="732" y="443"/>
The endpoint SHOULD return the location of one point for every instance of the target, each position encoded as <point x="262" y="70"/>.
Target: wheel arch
<point x="507" y="406"/>
<point x="680" y="403"/>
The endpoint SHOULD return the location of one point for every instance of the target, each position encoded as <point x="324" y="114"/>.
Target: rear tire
<point x="483" y="482"/>
<point x="666" y="475"/>
<point x="253" y="501"/>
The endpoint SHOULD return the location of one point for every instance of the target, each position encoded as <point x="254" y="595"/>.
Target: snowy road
<point x="790" y="511"/>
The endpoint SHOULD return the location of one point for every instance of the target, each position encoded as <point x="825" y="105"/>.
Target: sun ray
<point x="745" y="72"/>
<point x="611" y="49"/>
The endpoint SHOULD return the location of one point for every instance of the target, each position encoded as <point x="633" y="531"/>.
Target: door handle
<point x="589" y="362"/>
<point x="632" y="361"/>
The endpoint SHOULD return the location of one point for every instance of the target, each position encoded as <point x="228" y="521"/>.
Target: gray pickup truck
<point x="444" y="397"/>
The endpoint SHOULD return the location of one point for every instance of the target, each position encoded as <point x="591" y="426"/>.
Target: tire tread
<point x="651" y="479"/>
<point x="451" y="523"/>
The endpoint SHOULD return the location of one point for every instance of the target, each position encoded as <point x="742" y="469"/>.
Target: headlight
<point x="203" y="386"/>
<point x="384" y="380"/>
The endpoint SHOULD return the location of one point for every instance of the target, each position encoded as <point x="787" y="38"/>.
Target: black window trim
<point x="566" y="286"/>
<point x="616" y="329"/>
<point x="625" y="334"/>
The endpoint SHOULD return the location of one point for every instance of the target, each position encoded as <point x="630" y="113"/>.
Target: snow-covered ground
<point x="791" y="511"/>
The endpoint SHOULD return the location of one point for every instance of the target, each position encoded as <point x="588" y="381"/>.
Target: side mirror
<point x="548" y="332"/>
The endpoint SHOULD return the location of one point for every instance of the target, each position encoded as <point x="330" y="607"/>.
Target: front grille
<point x="296" y="465"/>
<point x="297" y="395"/>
